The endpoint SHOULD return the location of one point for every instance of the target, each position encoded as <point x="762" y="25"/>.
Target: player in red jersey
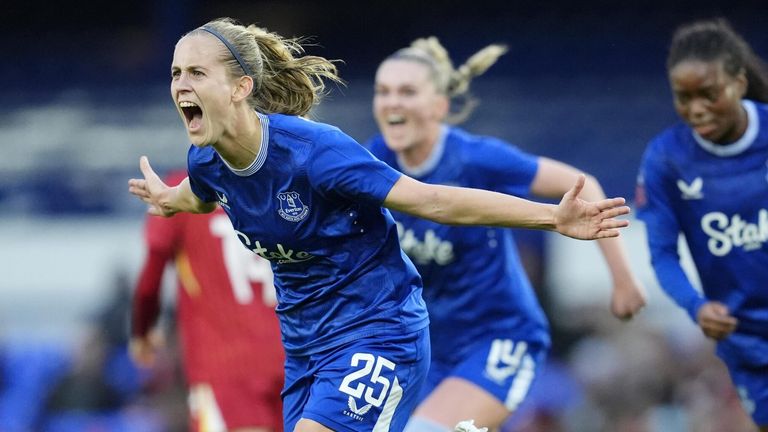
<point x="230" y="338"/>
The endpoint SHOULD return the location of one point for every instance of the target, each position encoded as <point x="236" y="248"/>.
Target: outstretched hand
<point x="152" y="190"/>
<point x="585" y="220"/>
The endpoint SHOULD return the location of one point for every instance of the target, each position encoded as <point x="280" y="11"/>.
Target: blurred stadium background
<point x="86" y="93"/>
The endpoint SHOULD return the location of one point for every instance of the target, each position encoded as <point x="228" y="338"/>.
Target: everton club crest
<point x="291" y="207"/>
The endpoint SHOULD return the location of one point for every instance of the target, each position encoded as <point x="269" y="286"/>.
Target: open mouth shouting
<point x="392" y="125"/>
<point x="193" y="114"/>
<point x="395" y="119"/>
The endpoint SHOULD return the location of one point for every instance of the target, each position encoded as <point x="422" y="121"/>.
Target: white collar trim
<point x="258" y="162"/>
<point x="740" y="145"/>
<point x="432" y="160"/>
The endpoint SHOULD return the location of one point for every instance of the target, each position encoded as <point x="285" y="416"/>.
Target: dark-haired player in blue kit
<point x="707" y="177"/>
<point x="309" y="198"/>
<point x="489" y="334"/>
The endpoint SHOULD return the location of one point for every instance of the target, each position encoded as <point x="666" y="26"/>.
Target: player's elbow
<point x="591" y="182"/>
<point x="592" y="191"/>
<point x="436" y="206"/>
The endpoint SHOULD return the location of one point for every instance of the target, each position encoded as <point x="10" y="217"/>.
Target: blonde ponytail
<point x="454" y="83"/>
<point x="285" y="81"/>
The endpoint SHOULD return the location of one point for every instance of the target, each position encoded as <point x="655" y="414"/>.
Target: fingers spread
<point x="137" y="182"/>
<point x="613" y="223"/>
<point x="611" y="203"/>
<point x="139" y="189"/>
<point x="146" y="169"/>
<point x="577" y="187"/>
<point x="607" y="234"/>
<point x="614" y="212"/>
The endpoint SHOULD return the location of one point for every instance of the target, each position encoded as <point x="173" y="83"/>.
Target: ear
<point x="442" y="107"/>
<point x="742" y="82"/>
<point x="243" y="88"/>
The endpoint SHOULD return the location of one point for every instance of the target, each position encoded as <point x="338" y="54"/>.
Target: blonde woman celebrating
<point x="312" y="201"/>
<point x="489" y="334"/>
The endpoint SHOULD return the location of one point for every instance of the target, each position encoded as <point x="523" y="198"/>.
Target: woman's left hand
<point x="585" y="220"/>
<point x="152" y="190"/>
<point x="627" y="299"/>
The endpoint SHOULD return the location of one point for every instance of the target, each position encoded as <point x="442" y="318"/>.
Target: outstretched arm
<point x="162" y="199"/>
<point x="573" y="217"/>
<point x="553" y="179"/>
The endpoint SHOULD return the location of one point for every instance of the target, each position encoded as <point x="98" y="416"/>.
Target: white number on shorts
<point x="371" y="363"/>
<point x="504" y="358"/>
<point x="243" y="266"/>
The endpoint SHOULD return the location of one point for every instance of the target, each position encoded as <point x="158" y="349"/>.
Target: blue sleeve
<point x="340" y="166"/>
<point x="198" y="187"/>
<point x="663" y="231"/>
<point x="509" y="169"/>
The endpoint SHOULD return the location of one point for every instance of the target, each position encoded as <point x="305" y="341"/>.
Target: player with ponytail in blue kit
<point x="489" y="334"/>
<point x="308" y="198"/>
<point x="707" y="177"/>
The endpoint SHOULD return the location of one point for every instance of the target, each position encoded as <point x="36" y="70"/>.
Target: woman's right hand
<point x="152" y="190"/>
<point x="715" y="320"/>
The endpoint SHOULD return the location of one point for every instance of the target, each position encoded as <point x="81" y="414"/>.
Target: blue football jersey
<point x="717" y="196"/>
<point x="311" y="204"/>
<point x="474" y="282"/>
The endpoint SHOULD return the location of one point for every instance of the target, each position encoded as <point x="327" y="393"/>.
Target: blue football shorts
<point x="505" y="368"/>
<point x="369" y="384"/>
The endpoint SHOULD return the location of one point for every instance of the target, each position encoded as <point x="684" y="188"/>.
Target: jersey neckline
<point x="261" y="157"/>
<point x="740" y="145"/>
<point x="430" y="162"/>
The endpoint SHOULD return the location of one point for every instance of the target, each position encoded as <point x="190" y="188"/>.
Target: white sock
<point x="421" y="424"/>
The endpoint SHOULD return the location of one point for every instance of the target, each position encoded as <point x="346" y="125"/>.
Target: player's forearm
<point x="464" y="206"/>
<point x="675" y="283"/>
<point x="615" y="256"/>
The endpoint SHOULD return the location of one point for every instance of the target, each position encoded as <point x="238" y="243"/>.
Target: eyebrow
<point x="397" y="85"/>
<point x="189" y="67"/>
